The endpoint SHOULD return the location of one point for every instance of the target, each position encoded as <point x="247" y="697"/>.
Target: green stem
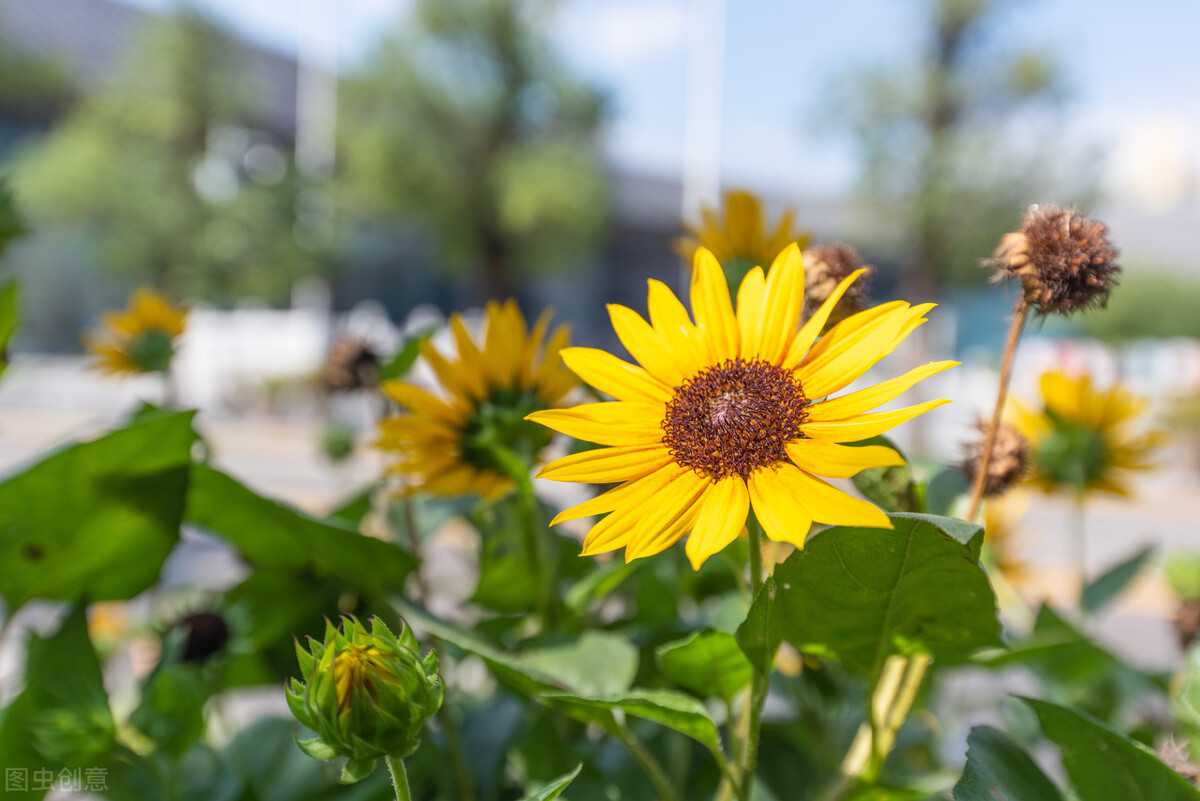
<point x="518" y="469"/>
<point x="399" y="778"/>
<point x="759" y="680"/>
<point x="658" y="777"/>
<point x="1080" y="544"/>
<point x="463" y="780"/>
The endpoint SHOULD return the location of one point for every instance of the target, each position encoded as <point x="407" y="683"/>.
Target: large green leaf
<point x="999" y="770"/>
<point x="1105" y="765"/>
<point x="406" y="356"/>
<point x="761" y="633"/>
<point x="708" y="662"/>
<point x="96" y="520"/>
<point x="670" y="708"/>
<point x="1104" y="589"/>
<point x="62" y="715"/>
<point x="554" y="789"/>
<point x="891" y="488"/>
<point x="270" y="535"/>
<point x="860" y="595"/>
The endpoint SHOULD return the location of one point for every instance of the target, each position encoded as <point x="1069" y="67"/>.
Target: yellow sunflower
<point x="739" y="236"/>
<point x="1084" y="438"/>
<point x="732" y="411"/>
<point x="139" y="339"/>
<point x="455" y="443"/>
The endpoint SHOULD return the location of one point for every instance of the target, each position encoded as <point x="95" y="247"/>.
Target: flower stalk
<point x="760" y="680"/>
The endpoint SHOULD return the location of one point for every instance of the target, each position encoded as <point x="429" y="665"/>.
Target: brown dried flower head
<point x="1010" y="459"/>
<point x="1063" y="258"/>
<point x="350" y="364"/>
<point x="1187" y="622"/>
<point x="825" y="266"/>
<point x="1176" y="756"/>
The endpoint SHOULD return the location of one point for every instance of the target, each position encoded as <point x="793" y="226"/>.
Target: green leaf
<point x="860" y="595"/>
<point x="8" y="318"/>
<point x="406" y="356"/>
<point x="554" y="789"/>
<point x="171" y="712"/>
<point x="595" y="663"/>
<point x="270" y="535"/>
<point x="708" y="662"/>
<point x="96" y="520"/>
<point x="62" y="675"/>
<point x="762" y="632"/>
<point x="1101" y="591"/>
<point x="890" y="488"/>
<point x="1183" y="574"/>
<point x="355" y="770"/>
<point x="1104" y="764"/>
<point x="352" y="510"/>
<point x="944" y="489"/>
<point x="999" y="770"/>
<point x="670" y="708"/>
<point x="1187" y="701"/>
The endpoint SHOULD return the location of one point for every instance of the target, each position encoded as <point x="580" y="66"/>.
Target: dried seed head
<point x="350" y="364"/>
<point x="825" y="266"/>
<point x="1175" y="755"/>
<point x="1063" y="258"/>
<point x="1187" y="622"/>
<point x="734" y="418"/>
<point x="206" y="633"/>
<point x="1009" y="462"/>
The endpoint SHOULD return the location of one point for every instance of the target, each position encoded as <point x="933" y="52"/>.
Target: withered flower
<point x="350" y="364"/>
<point x="1063" y="259"/>
<point x="1009" y="462"/>
<point x="826" y="266"/>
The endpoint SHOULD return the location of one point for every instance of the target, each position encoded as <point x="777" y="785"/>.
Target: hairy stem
<point x="658" y="776"/>
<point x="399" y="778"/>
<point x="759" y="680"/>
<point x="1020" y="313"/>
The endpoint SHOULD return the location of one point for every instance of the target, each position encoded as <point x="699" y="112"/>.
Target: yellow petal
<point x="783" y="300"/>
<point x="779" y="504"/>
<point x="865" y="426"/>
<point x="646" y="345"/>
<point x="614" y="376"/>
<point x="665" y="488"/>
<point x="469" y="357"/>
<point x="749" y="311"/>
<point x="721" y="518"/>
<point x="669" y="516"/>
<point x="421" y="402"/>
<point x="839" y="461"/>
<point x="812" y="329"/>
<point x="619" y="496"/>
<point x="607" y="465"/>
<point x="712" y="307"/>
<point x="670" y="319"/>
<point x="866" y="399"/>
<point x="832" y="506"/>
<point x="853" y="351"/>
<point x="615" y="423"/>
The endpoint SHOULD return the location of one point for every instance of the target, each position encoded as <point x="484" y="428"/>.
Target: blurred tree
<point x="465" y="119"/>
<point x="166" y="170"/>
<point x="935" y="140"/>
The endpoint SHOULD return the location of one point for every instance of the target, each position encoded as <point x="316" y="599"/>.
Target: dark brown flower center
<point x="734" y="418"/>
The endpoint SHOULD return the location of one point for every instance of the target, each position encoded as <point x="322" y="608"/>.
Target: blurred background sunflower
<point x="139" y="339"/>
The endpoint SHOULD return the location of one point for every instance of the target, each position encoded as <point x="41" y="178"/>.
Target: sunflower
<point x="139" y="339"/>
<point x="732" y="411"/>
<point x="738" y="235"/>
<point x="1083" y="437"/>
<point x="456" y="443"/>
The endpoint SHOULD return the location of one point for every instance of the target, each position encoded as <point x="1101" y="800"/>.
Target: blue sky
<point x="1130" y="69"/>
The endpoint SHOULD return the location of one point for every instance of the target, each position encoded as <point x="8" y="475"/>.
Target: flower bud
<point x="1063" y="258"/>
<point x="366" y="695"/>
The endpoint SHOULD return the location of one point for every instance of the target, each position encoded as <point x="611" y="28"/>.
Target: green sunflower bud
<point x="366" y="694"/>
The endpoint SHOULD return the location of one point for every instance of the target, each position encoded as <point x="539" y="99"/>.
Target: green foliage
<point x="63" y="705"/>
<point x="1104" y="764"/>
<point x="893" y="489"/>
<point x="709" y="663"/>
<point x="860" y="595"/>
<point x="1149" y="306"/>
<point x="1104" y="589"/>
<point x="8" y="318"/>
<point x="1183" y="574"/>
<point x="465" y="120"/>
<point x="999" y="770"/>
<point x="555" y="788"/>
<point x="668" y="708"/>
<point x="153" y="169"/>
<point x="96" y="520"/>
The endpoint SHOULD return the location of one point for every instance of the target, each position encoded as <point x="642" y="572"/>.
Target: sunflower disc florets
<point x="826" y="266"/>
<point x="366" y="694"/>
<point x="1063" y="259"/>
<point x="1009" y="462"/>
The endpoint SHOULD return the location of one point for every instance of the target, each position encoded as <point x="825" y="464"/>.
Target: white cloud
<point x="623" y="35"/>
